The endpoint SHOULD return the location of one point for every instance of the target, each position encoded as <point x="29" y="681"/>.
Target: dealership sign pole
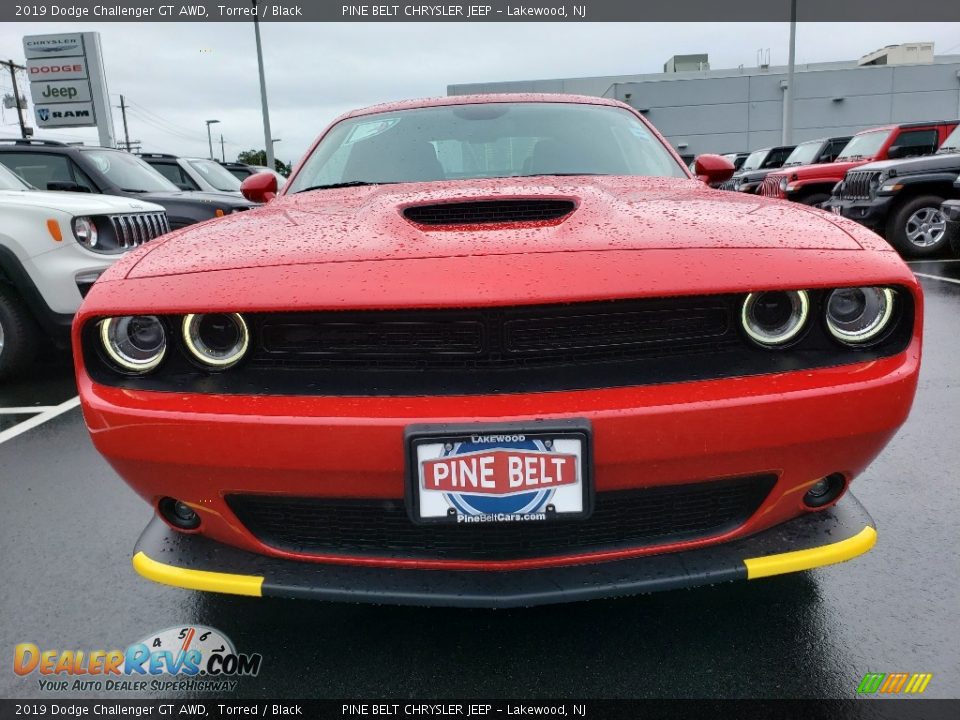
<point x="68" y="83"/>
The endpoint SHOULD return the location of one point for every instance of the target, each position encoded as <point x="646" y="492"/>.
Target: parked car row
<point x="69" y="212"/>
<point x="893" y="179"/>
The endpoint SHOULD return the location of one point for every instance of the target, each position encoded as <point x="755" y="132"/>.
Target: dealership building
<point x="704" y="110"/>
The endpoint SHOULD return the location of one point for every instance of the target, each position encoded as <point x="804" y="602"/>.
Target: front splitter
<point x="192" y="561"/>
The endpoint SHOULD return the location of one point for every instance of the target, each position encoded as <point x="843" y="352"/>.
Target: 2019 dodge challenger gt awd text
<point x="495" y="351"/>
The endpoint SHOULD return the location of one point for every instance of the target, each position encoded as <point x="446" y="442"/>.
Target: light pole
<point x="210" y="137"/>
<point x="787" y="138"/>
<point x="263" y="90"/>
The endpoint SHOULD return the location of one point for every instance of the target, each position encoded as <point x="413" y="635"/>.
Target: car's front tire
<point x="19" y="337"/>
<point x="917" y="228"/>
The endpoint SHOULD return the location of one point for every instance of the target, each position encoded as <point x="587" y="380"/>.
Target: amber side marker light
<point x="53" y="227"/>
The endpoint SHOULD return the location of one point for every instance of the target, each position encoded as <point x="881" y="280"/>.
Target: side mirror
<point x="66" y="186"/>
<point x="713" y="169"/>
<point x="259" y="187"/>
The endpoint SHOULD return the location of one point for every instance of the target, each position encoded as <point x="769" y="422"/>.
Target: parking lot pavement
<point x="67" y="526"/>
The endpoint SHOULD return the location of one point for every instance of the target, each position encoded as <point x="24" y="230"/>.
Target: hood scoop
<point x="490" y="212"/>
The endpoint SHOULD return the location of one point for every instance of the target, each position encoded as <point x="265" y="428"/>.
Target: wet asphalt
<point x="68" y="524"/>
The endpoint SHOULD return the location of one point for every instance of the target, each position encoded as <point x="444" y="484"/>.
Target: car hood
<point x="612" y="213"/>
<point x="908" y="166"/>
<point x="75" y="203"/>
<point x="199" y="196"/>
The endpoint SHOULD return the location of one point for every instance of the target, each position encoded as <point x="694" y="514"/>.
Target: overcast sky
<point x="176" y="76"/>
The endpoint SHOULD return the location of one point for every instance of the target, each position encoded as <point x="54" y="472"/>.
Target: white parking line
<point x="39" y="419"/>
<point x="937" y="277"/>
<point x="25" y="410"/>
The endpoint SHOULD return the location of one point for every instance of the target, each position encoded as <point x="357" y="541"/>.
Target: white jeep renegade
<point x="53" y="247"/>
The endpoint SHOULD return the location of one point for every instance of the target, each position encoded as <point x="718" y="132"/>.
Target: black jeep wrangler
<point x="902" y="199"/>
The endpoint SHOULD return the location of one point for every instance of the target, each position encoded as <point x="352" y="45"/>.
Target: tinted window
<point x="487" y="140"/>
<point x="916" y="142"/>
<point x="38" y="169"/>
<point x="777" y="158"/>
<point x="175" y="174"/>
<point x="11" y="181"/>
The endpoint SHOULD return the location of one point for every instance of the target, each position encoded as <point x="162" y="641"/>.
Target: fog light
<point x="178" y="513"/>
<point x="825" y="490"/>
<point x="776" y="317"/>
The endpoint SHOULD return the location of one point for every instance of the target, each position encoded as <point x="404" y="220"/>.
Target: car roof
<point x="483" y="98"/>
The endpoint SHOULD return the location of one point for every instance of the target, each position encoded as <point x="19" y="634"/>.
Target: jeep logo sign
<point x="65" y="115"/>
<point x="44" y="92"/>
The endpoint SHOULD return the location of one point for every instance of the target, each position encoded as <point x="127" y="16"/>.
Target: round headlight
<point x="85" y="230"/>
<point x="859" y="315"/>
<point x="774" y="318"/>
<point x="136" y="343"/>
<point x="783" y="183"/>
<point x="218" y="340"/>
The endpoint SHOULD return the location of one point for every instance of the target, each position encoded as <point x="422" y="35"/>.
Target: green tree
<point x="259" y="157"/>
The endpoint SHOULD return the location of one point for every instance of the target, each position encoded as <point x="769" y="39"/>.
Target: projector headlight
<point x="135" y="343"/>
<point x="856" y="316"/>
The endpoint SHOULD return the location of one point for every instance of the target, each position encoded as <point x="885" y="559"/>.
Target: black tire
<point x="814" y="198"/>
<point x="19" y="337"/>
<point x="898" y="235"/>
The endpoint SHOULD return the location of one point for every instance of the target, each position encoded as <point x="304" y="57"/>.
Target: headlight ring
<point x="134" y="343"/>
<point x="774" y="318"/>
<point x="217" y="340"/>
<point x="859" y="315"/>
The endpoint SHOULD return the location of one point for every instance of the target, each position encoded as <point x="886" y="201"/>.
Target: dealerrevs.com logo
<point x="186" y="658"/>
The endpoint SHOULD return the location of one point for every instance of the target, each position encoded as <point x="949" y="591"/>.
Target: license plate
<point x="467" y="474"/>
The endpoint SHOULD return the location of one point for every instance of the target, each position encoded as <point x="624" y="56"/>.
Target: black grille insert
<point x="483" y="212"/>
<point x="621" y="519"/>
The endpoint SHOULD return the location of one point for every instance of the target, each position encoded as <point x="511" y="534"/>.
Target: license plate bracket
<point x="462" y="474"/>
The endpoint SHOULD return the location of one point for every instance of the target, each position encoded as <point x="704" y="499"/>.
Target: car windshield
<point x="485" y="140"/>
<point x="863" y="146"/>
<point x="755" y="160"/>
<point x="216" y="174"/>
<point x="804" y="153"/>
<point x="9" y="180"/>
<point x="129" y="172"/>
<point x="952" y="143"/>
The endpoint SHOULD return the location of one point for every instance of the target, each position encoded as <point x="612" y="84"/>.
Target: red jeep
<point x="811" y="185"/>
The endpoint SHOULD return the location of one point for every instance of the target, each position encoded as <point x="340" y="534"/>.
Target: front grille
<point x="856" y="185"/>
<point x="489" y="211"/>
<point x="770" y="187"/>
<point x="382" y="528"/>
<point x="495" y="338"/>
<point x="133" y="229"/>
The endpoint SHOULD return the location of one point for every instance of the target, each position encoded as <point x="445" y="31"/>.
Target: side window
<point x="777" y="158"/>
<point x="831" y="151"/>
<point x="916" y="142"/>
<point x="38" y="169"/>
<point x="175" y="174"/>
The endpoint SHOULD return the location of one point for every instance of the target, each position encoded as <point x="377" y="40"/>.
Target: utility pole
<point x="13" y="67"/>
<point x="123" y="112"/>
<point x="223" y="152"/>
<point x="788" y="92"/>
<point x="267" y="135"/>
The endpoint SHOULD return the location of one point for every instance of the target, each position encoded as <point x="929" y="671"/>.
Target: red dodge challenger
<point x="498" y="350"/>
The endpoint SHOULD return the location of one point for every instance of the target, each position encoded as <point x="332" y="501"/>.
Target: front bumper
<point x="192" y="561"/>
<point x="871" y="213"/>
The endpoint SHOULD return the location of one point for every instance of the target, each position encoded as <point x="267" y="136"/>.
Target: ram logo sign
<point x="894" y="683"/>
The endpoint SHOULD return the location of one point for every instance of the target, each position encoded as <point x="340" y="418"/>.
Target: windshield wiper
<point x="349" y="183"/>
<point x="558" y="174"/>
<point x="133" y="190"/>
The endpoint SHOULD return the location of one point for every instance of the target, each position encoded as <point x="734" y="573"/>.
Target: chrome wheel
<point x="926" y="227"/>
